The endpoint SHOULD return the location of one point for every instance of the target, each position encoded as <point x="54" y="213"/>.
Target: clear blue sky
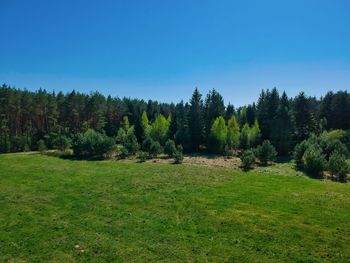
<point x="163" y="49"/>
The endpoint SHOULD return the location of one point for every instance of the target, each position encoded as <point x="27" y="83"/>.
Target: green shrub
<point x="300" y="149"/>
<point x="19" y="144"/>
<point x="170" y="148"/>
<point x="178" y="157"/>
<point x="333" y="145"/>
<point x="123" y="153"/>
<point x="131" y="143"/>
<point x="143" y="156"/>
<point x="182" y="137"/>
<point x="155" y="149"/>
<point x="41" y="146"/>
<point x="314" y="161"/>
<point x="92" y="144"/>
<point x="229" y="151"/>
<point x="180" y="148"/>
<point x="121" y="136"/>
<point x="62" y="143"/>
<point x="266" y="152"/>
<point x="126" y="137"/>
<point x="338" y="166"/>
<point x="248" y="159"/>
<point x="334" y="134"/>
<point x="147" y="143"/>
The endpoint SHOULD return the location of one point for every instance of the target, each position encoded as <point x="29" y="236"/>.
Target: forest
<point x="312" y="130"/>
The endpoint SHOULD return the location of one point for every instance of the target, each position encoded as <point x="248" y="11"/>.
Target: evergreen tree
<point x="196" y="120"/>
<point x="126" y="124"/>
<point x="304" y="120"/>
<point x="340" y="111"/>
<point x="213" y="108"/>
<point x="95" y="110"/>
<point x="243" y="116"/>
<point x="281" y="135"/>
<point x="250" y="114"/>
<point x="230" y="111"/>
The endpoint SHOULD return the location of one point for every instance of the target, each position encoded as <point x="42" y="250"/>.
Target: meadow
<point x="56" y="210"/>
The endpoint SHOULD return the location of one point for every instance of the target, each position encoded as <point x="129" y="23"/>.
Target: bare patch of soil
<point x="203" y="160"/>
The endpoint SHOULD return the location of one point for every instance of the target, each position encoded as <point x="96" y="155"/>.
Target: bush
<point x="300" y="149"/>
<point x="112" y="153"/>
<point x="170" y="148"/>
<point x="143" y="156"/>
<point x="123" y="152"/>
<point x="248" y="159"/>
<point x="92" y="144"/>
<point x="178" y="157"/>
<point x="131" y="143"/>
<point x="333" y="145"/>
<point x="121" y="136"/>
<point x="62" y="143"/>
<point x="128" y="139"/>
<point x="338" y="166"/>
<point x="228" y="151"/>
<point x="182" y="137"/>
<point x="266" y="152"/>
<point x="334" y="134"/>
<point x="180" y="148"/>
<point x="19" y="144"/>
<point x="314" y="161"/>
<point x="155" y="149"/>
<point x="41" y="146"/>
<point x="147" y="143"/>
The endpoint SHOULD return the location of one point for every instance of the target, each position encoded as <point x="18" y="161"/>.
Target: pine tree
<point x="250" y="114"/>
<point x="196" y="119"/>
<point x="230" y="111"/>
<point x="303" y="117"/>
<point x="126" y="124"/>
<point x="213" y="108"/>
<point x="243" y="116"/>
<point x="281" y="135"/>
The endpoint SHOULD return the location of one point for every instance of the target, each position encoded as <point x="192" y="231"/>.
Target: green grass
<point x="142" y="212"/>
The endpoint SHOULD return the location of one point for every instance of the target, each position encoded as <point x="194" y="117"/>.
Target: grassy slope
<point x="118" y="211"/>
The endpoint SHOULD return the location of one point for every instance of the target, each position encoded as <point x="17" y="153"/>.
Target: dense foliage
<point x="92" y="144"/>
<point x="321" y="153"/>
<point x="248" y="159"/>
<point x="266" y="152"/>
<point x="41" y="119"/>
<point x="338" y="166"/>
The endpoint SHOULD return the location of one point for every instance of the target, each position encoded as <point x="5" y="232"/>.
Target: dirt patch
<point x="203" y="160"/>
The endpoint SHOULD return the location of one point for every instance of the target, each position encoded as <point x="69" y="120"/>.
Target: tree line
<point x="30" y="120"/>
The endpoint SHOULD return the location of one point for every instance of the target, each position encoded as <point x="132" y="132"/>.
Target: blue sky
<point x="164" y="49"/>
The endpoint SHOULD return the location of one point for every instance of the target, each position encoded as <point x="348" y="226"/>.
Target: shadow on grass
<point x="299" y="168"/>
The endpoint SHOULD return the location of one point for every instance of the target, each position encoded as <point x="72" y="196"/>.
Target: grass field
<point x="55" y="210"/>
